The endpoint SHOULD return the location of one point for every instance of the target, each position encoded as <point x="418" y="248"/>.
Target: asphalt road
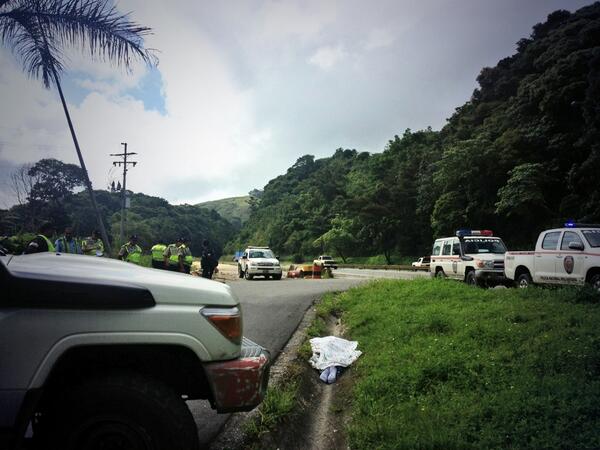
<point x="272" y="311"/>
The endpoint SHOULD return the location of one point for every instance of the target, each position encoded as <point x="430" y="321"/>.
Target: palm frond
<point x="38" y="31"/>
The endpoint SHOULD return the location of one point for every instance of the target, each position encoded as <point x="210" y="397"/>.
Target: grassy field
<point x="446" y="366"/>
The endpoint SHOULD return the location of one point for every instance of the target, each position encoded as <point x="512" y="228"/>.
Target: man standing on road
<point x="131" y="251"/>
<point x="208" y="260"/>
<point x="185" y="256"/>
<point x="67" y="243"/>
<point x="93" y="245"/>
<point x="171" y="256"/>
<point x="42" y="242"/>
<point x="157" y="251"/>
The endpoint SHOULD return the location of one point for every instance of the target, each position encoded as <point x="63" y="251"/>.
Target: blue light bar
<point x="570" y="224"/>
<point x="463" y="232"/>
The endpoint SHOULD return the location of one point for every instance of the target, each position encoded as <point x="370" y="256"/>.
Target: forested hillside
<point x="235" y="209"/>
<point x="521" y="155"/>
<point x="47" y="192"/>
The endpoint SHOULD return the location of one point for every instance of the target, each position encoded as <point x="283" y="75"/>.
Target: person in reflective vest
<point x="178" y="256"/>
<point x="185" y="256"/>
<point x="131" y="251"/>
<point x="93" y="245"/>
<point x="157" y="251"/>
<point x="42" y="242"/>
<point x="171" y="256"/>
<point x="67" y="243"/>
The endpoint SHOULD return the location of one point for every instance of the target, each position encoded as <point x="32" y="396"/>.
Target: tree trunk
<point x="88" y="183"/>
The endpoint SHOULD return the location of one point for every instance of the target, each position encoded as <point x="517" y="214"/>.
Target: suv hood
<point x="165" y="287"/>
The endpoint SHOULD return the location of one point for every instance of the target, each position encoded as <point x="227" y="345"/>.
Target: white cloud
<point x="327" y="57"/>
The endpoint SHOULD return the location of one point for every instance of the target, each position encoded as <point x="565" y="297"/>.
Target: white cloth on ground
<point x="333" y="351"/>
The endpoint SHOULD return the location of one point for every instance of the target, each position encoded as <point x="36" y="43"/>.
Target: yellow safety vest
<point x="92" y="247"/>
<point x="134" y="253"/>
<point x="49" y="242"/>
<point x="158" y="251"/>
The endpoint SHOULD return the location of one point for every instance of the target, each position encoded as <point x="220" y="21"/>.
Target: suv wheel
<point x="595" y="282"/>
<point x="240" y="272"/>
<point x="247" y="275"/>
<point x="277" y="276"/>
<point x="121" y="411"/>
<point x="440" y="274"/>
<point x="470" y="279"/>
<point x="524" y="281"/>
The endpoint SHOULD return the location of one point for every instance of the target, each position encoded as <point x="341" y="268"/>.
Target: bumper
<point x="491" y="276"/>
<point x="240" y="384"/>
<point x="264" y="271"/>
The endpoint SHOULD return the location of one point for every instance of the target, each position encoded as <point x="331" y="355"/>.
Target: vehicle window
<point x="426" y="259"/>
<point x="551" y="240"/>
<point x="437" y="247"/>
<point x="261" y="254"/>
<point x="326" y="257"/>
<point x="569" y="237"/>
<point x="447" y="248"/>
<point x="484" y="246"/>
<point x="593" y="237"/>
<point x="456" y="247"/>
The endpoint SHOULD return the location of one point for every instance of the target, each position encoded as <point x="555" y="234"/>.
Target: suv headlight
<point x="481" y="264"/>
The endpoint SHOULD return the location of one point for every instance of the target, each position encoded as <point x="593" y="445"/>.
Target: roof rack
<point x="254" y="246"/>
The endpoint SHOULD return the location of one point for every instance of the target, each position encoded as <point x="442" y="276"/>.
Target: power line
<point x="123" y="163"/>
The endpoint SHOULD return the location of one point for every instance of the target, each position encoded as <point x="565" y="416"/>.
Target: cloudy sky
<point x="244" y="88"/>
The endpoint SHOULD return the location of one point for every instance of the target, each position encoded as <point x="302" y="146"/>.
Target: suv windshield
<point x="592" y="236"/>
<point x="261" y="254"/>
<point x="326" y="257"/>
<point x="484" y="246"/>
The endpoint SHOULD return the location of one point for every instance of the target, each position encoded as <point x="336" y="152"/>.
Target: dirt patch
<point x="321" y="412"/>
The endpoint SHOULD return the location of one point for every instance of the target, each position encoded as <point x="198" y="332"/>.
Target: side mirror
<point x="277" y="257"/>
<point x="576" y="246"/>
<point x="244" y="257"/>
<point x="466" y="258"/>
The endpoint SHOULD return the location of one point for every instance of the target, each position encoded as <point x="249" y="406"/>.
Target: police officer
<point x="42" y="242"/>
<point x="93" y="245"/>
<point x="208" y="260"/>
<point x="171" y="256"/>
<point x="131" y="251"/>
<point x="185" y="256"/>
<point x="67" y="243"/>
<point x="157" y="251"/>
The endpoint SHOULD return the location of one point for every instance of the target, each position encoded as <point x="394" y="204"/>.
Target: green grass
<point x="447" y="366"/>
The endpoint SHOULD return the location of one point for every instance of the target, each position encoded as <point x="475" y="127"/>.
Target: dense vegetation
<point x="46" y="191"/>
<point x="521" y="155"/>
<point x="235" y="209"/>
<point x="445" y="366"/>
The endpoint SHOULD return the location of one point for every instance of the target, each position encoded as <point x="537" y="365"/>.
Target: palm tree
<point x="38" y="31"/>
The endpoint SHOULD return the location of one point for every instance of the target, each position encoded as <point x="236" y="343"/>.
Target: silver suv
<point x="95" y="351"/>
<point x="259" y="261"/>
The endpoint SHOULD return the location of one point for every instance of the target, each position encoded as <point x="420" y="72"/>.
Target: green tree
<point x="38" y="32"/>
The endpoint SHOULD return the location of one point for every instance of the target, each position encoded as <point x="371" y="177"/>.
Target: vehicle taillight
<point x="227" y="320"/>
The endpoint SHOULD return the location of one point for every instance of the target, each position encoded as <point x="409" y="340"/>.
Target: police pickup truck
<point x="569" y="255"/>
<point x="102" y="354"/>
<point x="473" y="256"/>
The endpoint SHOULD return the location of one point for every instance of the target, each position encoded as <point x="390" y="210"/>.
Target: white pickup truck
<point x="569" y="255"/>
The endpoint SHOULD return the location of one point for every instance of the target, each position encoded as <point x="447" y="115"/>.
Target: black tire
<point x="440" y="273"/>
<point x="277" y="277"/>
<point x="595" y="282"/>
<point x="470" y="279"/>
<point x="267" y="277"/>
<point x="301" y="274"/>
<point x="240" y="272"/>
<point x="247" y="275"/>
<point x="524" y="280"/>
<point x="119" y="412"/>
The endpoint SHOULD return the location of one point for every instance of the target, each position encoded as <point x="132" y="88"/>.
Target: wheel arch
<point x="591" y="272"/>
<point x="520" y="270"/>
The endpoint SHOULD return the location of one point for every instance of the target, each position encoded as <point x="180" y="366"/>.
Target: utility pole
<point x="124" y="163"/>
